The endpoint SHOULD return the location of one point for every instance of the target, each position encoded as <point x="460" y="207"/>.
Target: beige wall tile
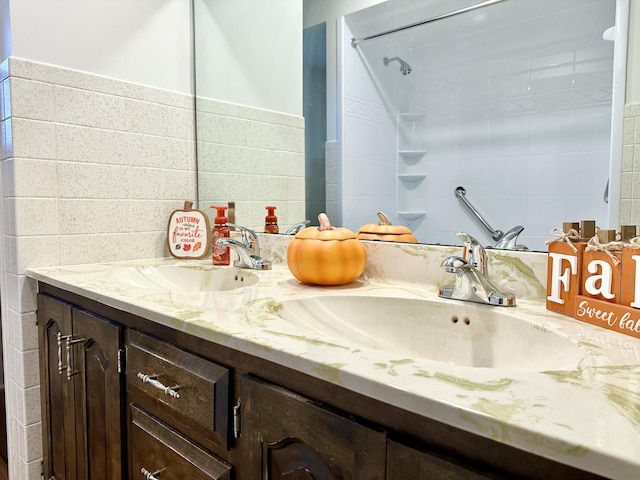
<point x="27" y="403"/>
<point x="77" y="249"/>
<point x="34" y="216"/>
<point x="24" y="367"/>
<point x="33" y="100"/>
<point x="33" y="178"/>
<point x="22" y="332"/>
<point x="33" y="139"/>
<point x="77" y="180"/>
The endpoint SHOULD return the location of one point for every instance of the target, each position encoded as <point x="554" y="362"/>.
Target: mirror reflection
<point x="504" y="101"/>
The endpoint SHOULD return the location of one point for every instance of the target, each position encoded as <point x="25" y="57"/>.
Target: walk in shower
<point x="516" y="101"/>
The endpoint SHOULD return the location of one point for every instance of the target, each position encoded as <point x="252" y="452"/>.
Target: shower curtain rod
<point x="356" y="41"/>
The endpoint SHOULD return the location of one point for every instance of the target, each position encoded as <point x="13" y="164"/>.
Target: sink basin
<point x="184" y="278"/>
<point x="470" y="335"/>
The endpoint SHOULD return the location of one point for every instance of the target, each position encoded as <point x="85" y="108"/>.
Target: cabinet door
<point x="404" y="462"/>
<point x="287" y="436"/>
<point x="98" y="397"/>
<point x="58" y="418"/>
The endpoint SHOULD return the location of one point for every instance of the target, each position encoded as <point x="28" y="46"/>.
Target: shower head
<point x="405" y="68"/>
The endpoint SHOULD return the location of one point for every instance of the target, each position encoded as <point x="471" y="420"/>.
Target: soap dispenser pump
<point x="220" y="230"/>
<point x="271" y="221"/>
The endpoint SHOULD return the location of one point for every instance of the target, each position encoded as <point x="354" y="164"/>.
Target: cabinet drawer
<point x="182" y="389"/>
<point x="157" y="451"/>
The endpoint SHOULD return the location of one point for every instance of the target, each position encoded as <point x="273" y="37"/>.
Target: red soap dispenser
<point x="220" y="230"/>
<point x="271" y="221"/>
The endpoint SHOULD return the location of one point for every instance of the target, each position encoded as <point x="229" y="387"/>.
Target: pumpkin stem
<point x="187" y="205"/>
<point x="384" y="220"/>
<point x="325" y="224"/>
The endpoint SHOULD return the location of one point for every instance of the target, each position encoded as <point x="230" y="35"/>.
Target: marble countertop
<point x="586" y="414"/>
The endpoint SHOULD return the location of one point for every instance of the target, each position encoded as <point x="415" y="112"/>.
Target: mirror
<point x="441" y="61"/>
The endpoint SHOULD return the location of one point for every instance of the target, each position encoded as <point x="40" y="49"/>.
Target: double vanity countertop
<point x="580" y="407"/>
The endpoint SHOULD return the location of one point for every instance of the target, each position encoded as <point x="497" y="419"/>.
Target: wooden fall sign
<point x="597" y="283"/>
<point x="188" y="233"/>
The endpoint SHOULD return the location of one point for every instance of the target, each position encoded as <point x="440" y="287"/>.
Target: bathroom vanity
<point x="143" y="383"/>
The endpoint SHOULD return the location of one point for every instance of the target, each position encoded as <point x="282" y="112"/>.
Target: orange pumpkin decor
<point x="385" y="231"/>
<point x="326" y="255"/>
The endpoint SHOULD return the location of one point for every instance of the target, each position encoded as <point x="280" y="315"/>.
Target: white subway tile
<point x="24" y="367"/>
<point x="77" y="216"/>
<point x="112" y="216"/>
<point x="21" y="330"/>
<point x="77" y="180"/>
<point x="113" y="181"/>
<point x="628" y="131"/>
<point x="33" y="100"/>
<point x="146" y="183"/>
<point x="34" y="216"/>
<point x="33" y="139"/>
<point x="147" y="215"/>
<point x="30" y="442"/>
<point x="36" y="251"/>
<point x="77" y="249"/>
<point x="5" y="99"/>
<point x="25" y="404"/>
<point x="626" y="185"/>
<point x="34" y="178"/>
<point x="6" y="140"/>
<point x="178" y="185"/>
<point x="114" y="246"/>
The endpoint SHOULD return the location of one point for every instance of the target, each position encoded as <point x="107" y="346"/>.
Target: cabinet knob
<point x="154" y="382"/>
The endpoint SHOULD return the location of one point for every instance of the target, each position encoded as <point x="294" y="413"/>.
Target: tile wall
<point x="252" y="157"/>
<point x="630" y="181"/>
<point x="522" y="123"/>
<point x="91" y="168"/>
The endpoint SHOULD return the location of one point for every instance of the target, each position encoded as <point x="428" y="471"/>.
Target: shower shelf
<point x="412" y="116"/>
<point x="412" y="177"/>
<point x="410" y="216"/>
<point x="412" y="154"/>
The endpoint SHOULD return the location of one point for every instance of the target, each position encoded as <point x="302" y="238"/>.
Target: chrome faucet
<point x="508" y="240"/>
<point x="248" y="249"/>
<point x="297" y="227"/>
<point x="472" y="284"/>
<point x="249" y="237"/>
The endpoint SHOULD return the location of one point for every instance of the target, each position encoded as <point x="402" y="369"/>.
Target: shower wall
<point x="518" y="113"/>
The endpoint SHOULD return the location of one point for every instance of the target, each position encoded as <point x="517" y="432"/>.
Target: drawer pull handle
<point x="150" y="476"/>
<point x="153" y="381"/>
<point x="61" y="338"/>
<point x="70" y="343"/>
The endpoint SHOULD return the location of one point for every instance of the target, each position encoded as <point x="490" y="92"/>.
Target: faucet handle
<point x="474" y="253"/>
<point x="297" y="227"/>
<point x="454" y="264"/>
<point x="249" y="237"/>
<point x="509" y="240"/>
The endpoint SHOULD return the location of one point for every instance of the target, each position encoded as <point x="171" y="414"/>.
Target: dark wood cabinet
<point x="57" y="394"/>
<point x="82" y="399"/>
<point x="191" y="409"/>
<point x="179" y="411"/>
<point x="160" y="452"/>
<point x="404" y="462"/>
<point x="180" y="388"/>
<point x="286" y="435"/>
